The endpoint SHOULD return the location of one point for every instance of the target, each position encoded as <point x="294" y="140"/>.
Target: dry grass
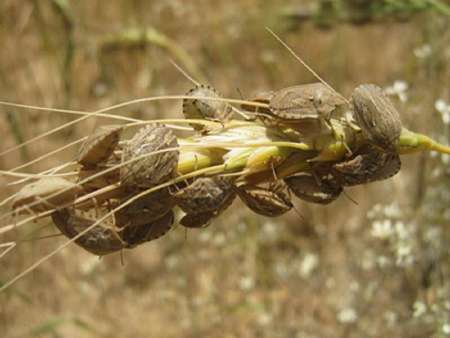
<point x="379" y="268"/>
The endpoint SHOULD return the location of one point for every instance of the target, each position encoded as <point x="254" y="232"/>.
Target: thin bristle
<point x="317" y="76"/>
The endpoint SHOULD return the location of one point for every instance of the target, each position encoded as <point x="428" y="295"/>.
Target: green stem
<point x="411" y="142"/>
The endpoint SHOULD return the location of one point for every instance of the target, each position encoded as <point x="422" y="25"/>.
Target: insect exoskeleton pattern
<point x="145" y="209"/>
<point x="143" y="169"/>
<point x="313" y="188"/>
<point x="271" y="200"/>
<point x="377" y="117"/>
<point x="368" y="164"/>
<point x="205" y="109"/>
<point x="204" y="199"/>
<point x="96" y="155"/>
<point x="46" y="194"/>
<point x="99" y="146"/>
<point x="104" y="238"/>
<point x="138" y="234"/>
<point x="100" y="240"/>
<point x="303" y="107"/>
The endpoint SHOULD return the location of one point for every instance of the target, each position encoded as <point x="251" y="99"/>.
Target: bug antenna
<point x="299" y="213"/>
<point x="350" y="198"/>
<point x="290" y="50"/>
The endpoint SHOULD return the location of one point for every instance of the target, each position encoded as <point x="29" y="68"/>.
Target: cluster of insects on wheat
<point x="306" y="141"/>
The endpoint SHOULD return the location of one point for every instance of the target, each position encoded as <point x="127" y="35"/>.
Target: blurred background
<point x="380" y="268"/>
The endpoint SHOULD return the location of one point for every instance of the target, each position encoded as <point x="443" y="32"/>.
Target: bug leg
<point x="196" y="162"/>
<point x="114" y="228"/>
<point x="274" y="172"/>
<point x="349" y="151"/>
<point x="350" y="198"/>
<point x="351" y="123"/>
<point x="122" y="261"/>
<point x="338" y="136"/>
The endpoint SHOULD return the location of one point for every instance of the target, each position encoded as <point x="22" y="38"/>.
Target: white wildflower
<point x="247" y="283"/>
<point x="89" y="265"/>
<point x="347" y="315"/>
<point x="398" y="88"/>
<point x="308" y="265"/>
<point x="444" y="109"/>
<point x="404" y="255"/>
<point x="382" y="229"/>
<point x="383" y="261"/>
<point x="423" y="51"/>
<point x="446" y="328"/>
<point x="392" y="211"/>
<point x="441" y="106"/>
<point x="419" y="309"/>
<point x="401" y="230"/>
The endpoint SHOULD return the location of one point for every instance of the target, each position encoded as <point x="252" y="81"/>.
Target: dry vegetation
<point x="379" y="268"/>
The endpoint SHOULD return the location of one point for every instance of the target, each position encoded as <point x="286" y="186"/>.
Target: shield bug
<point x="369" y="164"/>
<point x="204" y="199"/>
<point x="103" y="172"/>
<point x="134" y="235"/>
<point x="312" y="189"/>
<point x="205" y="194"/>
<point x="377" y="117"/>
<point x="146" y="209"/>
<point x="271" y="201"/>
<point x="205" y="109"/>
<point x="141" y="168"/>
<point x="100" y="240"/>
<point x="263" y="97"/>
<point x="198" y="220"/>
<point x="99" y="146"/>
<point x="46" y="194"/>
<point x="303" y="107"/>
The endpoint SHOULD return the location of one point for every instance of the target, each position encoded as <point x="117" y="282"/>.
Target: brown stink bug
<point x="205" y="109"/>
<point x="45" y="194"/>
<point x="99" y="146"/>
<point x="198" y="220"/>
<point x="134" y="235"/>
<point x="263" y="97"/>
<point x="303" y="107"/>
<point x="100" y="240"/>
<point x="145" y="209"/>
<point x="377" y="117"/>
<point x="310" y="188"/>
<point x="204" y="199"/>
<point x="141" y="168"/>
<point x="368" y="164"/>
<point x="271" y="201"/>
